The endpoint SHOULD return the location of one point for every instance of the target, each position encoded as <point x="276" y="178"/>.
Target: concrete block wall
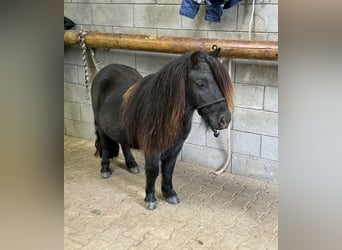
<point x="254" y="135"/>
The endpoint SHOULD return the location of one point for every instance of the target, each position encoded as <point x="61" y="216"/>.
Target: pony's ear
<point x="215" y="53"/>
<point x="195" y="57"/>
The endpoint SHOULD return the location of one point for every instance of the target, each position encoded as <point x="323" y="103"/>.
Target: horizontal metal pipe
<point x="261" y="50"/>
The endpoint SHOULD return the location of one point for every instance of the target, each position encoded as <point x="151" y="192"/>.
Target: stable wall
<point x="254" y="135"/>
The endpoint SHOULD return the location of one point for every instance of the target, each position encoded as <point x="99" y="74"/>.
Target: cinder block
<point x="196" y="118"/>
<point x="75" y="93"/>
<point x="265" y="17"/>
<point x="134" y="31"/>
<point x="260" y="1"/>
<point x="157" y="16"/>
<point x="79" y="129"/>
<point x="204" y="156"/>
<point x="72" y="111"/>
<point x="255" y="121"/>
<point x="228" y="21"/>
<point x="249" y="96"/>
<point x="183" y="33"/>
<point x="243" y="35"/>
<point x="219" y="142"/>
<point x="73" y="55"/>
<point x="94" y="28"/>
<point x="245" y="143"/>
<point x="87" y="114"/>
<point x="152" y="62"/>
<point x="197" y="134"/>
<point x="91" y="1"/>
<point x="81" y="74"/>
<point x="125" y="57"/>
<point x="269" y="148"/>
<point x="254" y="167"/>
<point x="114" y="15"/>
<point x="70" y="73"/>
<point x="256" y="72"/>
<point x="134" y="1"/>
<point x="271" y="99"/>
<point x="78" y="13"/>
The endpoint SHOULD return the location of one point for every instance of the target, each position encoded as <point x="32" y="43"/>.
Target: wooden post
<point x="262" y="50"/>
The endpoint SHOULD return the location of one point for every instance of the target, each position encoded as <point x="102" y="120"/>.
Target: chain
<point x="81" y="40"/>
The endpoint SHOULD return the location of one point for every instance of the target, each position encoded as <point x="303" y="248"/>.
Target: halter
<point x="211" y="103"/>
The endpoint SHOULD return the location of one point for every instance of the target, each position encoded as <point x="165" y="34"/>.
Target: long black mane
<point x="153" y="110"/>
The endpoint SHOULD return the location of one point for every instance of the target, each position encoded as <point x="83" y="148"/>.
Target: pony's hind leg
<point x="108" y="149"/>
<point x="130" y="161"/>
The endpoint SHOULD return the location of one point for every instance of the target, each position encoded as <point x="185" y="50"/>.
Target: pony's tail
<point x="111" y="146"/>
<point x="98" y="147"/>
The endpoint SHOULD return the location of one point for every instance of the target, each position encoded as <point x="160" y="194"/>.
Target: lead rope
<point x="229" y="151"/>
<point x="251" y="21"/>
<point x="81" y="40"/>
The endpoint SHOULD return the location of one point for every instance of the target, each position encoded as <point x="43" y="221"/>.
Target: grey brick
<point x="87" y="114"/>
<point x="219" y="142"/>
<point x="259" y="1"/>
<point x="254" y="167"/>
<point x="133" y="1"/>
<point x="183" y="33"/>
<point x="271" y="99"/>
<point x="72" y="111"/>
<point x="115" y="15"/>
<point x="228" y="21"/>
<point x="245" y="143"/>
<point x="79" y="129"/>
<point x="204" y="156"/>
<point x="96" y="28"/>
<point x="152" y="62"/>
<point x="157" y="16"/>
<point x="197" y="134"/>
<point x="168" y="1"/>
<point x="75" y="93"/>
<point x="73" y="55"/>
<point x="269" y="148"/>
<point x="70" y="73"/>
<point x="91" y="1"/>
<point x="125" y="57"/>
<point x="265" y="18"/>
<point x="134" y="31"/>
<point x="255" y="121"/>
<point x="78" y="13"/>
<point x="243" y="35"/>
<point x="196" y="118"/>
<point x="256" y="72"/>
<point x="249" y="96"/>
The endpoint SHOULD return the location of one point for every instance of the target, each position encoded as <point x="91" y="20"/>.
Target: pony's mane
<point x="153" y="110"/>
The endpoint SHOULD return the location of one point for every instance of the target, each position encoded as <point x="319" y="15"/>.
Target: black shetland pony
<point x="154" y="113"/>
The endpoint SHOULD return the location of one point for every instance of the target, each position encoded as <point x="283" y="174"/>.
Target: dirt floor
<point x="215" y="212"/>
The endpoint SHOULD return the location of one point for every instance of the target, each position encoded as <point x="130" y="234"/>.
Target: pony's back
<point x="114" y="78"/>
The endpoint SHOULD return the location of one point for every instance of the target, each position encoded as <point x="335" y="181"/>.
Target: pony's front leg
<point x="168" y="160"/>
<point x="151" y="171"/>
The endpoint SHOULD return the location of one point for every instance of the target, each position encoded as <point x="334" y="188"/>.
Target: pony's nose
<point x="223" y="121"/>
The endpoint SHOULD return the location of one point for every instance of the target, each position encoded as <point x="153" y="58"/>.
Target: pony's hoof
<point x="106" y="175"/>
<point x="173" y="200"/>
<point x="134" y="170"/>
<point x="151" y="205"/>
